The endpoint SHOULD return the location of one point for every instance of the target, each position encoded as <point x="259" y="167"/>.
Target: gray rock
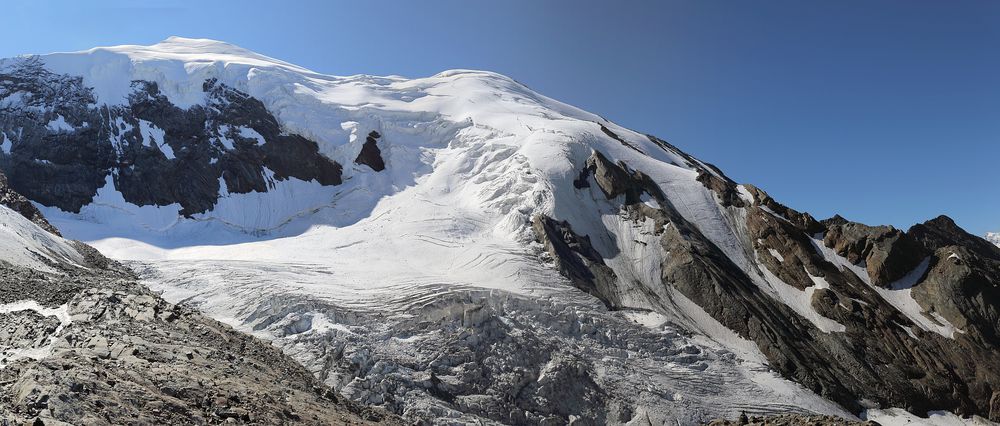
<point x="66" y="167"/>
<point x="370" y="154"/>
<point x="875" y="358"/>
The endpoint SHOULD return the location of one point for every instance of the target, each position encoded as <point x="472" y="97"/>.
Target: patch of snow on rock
<point x="993" y="237"/>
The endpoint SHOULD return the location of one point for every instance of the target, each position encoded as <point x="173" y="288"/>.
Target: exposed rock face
<point x="803" y="221"/>
<point x="370" y="154"/>
<point x="790" y="420"/>
<point x="616" y="179"/>
<point x="577" y="260"/>
<point x="17" y="202"/>
<point x="942" y="232"/>
<point x="615" y="136"/>
<point x="708" y="175"/>
<point x="943" y="357"/>
<point x="59" y="148"/>
<point x="963" y="283"/>
<point x="888" y="253"/>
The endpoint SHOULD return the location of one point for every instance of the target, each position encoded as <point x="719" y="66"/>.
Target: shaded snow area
<point x="6" y="144"/>
<point x="59" y="125"/>
<point x="431" y="264"/>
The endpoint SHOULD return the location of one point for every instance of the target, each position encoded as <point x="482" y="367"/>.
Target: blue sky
<point x="882" y="111"/>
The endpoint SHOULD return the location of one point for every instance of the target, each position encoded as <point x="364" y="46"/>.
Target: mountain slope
<point x="370" y="224"/>
<point x="993" y="237"/>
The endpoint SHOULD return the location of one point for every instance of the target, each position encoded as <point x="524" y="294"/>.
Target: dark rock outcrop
<point x="17" y="202"/>
<point x="63" y="148"/>
<point x="942" y="232"/>
<point x="709" y="175"/>
<point x="616" y="137"/>
<point x="803" y="221"/>
<point x="577" y="260"/>
<point x="887" y="253"/>
<point x="615" y="179"/>
<point x="963" y="282"/>
<point x="370" y="154"/>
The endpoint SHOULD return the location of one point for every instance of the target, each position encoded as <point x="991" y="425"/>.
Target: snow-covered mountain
<point x="993" y="237"/>
<point x="462" y="248"/>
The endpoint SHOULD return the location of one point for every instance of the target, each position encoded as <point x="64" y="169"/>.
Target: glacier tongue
<point x="450" y="352"/>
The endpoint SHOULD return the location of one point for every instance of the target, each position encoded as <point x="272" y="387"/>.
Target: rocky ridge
<point x="857" y="340"/>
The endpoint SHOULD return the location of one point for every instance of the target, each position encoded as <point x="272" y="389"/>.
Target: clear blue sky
<point x="882" y="111"/>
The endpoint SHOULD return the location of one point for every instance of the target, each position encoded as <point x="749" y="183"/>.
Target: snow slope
<point x="24" y="244"/>
<point x="470" y="156"/>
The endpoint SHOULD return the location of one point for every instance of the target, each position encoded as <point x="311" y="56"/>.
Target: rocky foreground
<point x="86" y="344"/>
<point x="790" y="420"/>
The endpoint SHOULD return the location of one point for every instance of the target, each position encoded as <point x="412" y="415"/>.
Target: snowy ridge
<point x="993" y="237"/>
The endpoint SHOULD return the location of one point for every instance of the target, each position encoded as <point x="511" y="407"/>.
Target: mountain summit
<point x="460" y="248"/>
